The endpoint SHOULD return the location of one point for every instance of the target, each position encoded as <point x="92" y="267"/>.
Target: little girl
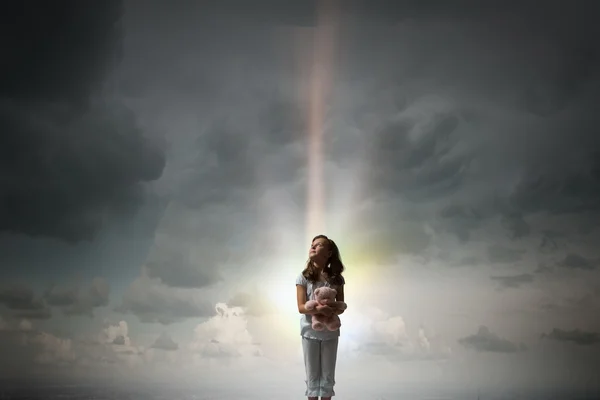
<point x="324" y="268"/>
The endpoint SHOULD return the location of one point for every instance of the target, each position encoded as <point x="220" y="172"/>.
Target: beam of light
<point x="319" y="88"/>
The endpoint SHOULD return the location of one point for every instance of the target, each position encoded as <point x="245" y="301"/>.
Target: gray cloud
<point x="412" y="155"/>
<point x="254" y="303"/>
<point x="165" y="342"/>
<point x="178" y="258"/>
<point x="469" y="126"/>
<point x="513" y="281"/>
<point x="557" y="193"/>
<point x="61" y="296"/>
<point x="576" y="261"/>
<point x="576" y="336"/>
<point x="152" y="301"/>
<point x="435" y="128"/>
<point x="580" y="302"/>
<point x="516" y="226"/>
<point x="119" y="340"/>
<point x="70" y="159"/>
<point x="38" y="313"/>
<point x="498" y="254"/>
<point x="27" y="349"/>
<point x="494" y="156"/>
<point x="548" y="242"/>
<point x="460" y="220"/>
<point x="77" y="301"/>
<point x="22" y="302"/>
<point x="382" y="230"/>
<point x="486" y="341"/>
<point x="19" y="297"/>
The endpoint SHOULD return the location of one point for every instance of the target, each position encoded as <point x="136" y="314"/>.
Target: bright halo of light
<point x="281" y="295"/>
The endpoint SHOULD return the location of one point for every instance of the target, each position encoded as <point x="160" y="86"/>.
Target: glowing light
<point x="320" y="85"/>
<point x="281" y="295"/>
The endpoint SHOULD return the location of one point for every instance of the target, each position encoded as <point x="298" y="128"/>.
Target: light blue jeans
<point x="320" y="357"/>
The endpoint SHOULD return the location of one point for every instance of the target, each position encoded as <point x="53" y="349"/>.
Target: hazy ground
<point x="45" y="390"/>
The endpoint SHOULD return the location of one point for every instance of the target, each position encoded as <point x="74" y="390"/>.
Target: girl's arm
<point x="301" y="300"/>
<point x="340" y="297"/>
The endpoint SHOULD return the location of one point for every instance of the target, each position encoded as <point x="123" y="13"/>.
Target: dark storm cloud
<point x="513" y="281"/>
<point x="558" y="192"/>
<point x="69" y="159"/>
<point x="486" y="341"/>
<point x="579" y="337"/>
<point x="190" y="246"/>
<point x="22" y="302"/>
<point x="77" y="300"/>
<point x="576" y="261"/>
<point x="460" y="220"/>
<point x="498" y="254"/>
<point x="442" y="110"/>
<point x="173" y="264"/>
<point x="516" y="226"/>
<point x="237" y="155"/>
<point x="580" y="302"/>
<point x="548" y="242"/>
<point x="153" y="302"/>
<point x="536" y="67"/>
<point x="416" y="161"/>
<point x="38" y="313"/>
<point x="58" y="51"/>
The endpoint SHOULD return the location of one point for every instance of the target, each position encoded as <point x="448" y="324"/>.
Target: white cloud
<point x="115" y="334"/>
<point x="224" y="335"/>
<point x="371" y="332"/>
<point x="116" y="338"/>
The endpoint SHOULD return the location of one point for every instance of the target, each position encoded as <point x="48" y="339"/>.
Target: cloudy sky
<point x="156" y="185"/>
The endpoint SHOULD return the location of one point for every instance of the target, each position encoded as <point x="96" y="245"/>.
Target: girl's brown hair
<point x="333" y="269"/>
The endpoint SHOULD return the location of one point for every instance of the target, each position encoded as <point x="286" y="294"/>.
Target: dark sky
<point x="154" y="177"/>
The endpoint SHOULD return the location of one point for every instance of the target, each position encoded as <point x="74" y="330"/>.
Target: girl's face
<point x="319" y="250"/>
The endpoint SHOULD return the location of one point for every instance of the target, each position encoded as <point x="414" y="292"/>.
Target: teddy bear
<point x="325" y="296"/>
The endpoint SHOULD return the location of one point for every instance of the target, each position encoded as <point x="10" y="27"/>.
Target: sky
<point x="157" y="199"/>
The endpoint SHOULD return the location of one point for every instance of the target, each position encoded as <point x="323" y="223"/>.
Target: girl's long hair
<point x="333" y="269"/>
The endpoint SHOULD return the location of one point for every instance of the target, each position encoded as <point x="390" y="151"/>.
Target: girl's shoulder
<point x="301" y="279"/>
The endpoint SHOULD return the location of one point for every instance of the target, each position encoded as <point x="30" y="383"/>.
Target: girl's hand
<point x="325" y="310"/>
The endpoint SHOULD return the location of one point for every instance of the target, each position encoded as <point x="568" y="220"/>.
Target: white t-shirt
<point x="306" y="329"/>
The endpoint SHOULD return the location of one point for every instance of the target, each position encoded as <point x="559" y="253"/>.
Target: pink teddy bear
<point x="325" y="296"/>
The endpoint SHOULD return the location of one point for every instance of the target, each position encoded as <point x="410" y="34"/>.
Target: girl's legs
<point x="328" y="360"/>
<point x="312" y="364"/>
